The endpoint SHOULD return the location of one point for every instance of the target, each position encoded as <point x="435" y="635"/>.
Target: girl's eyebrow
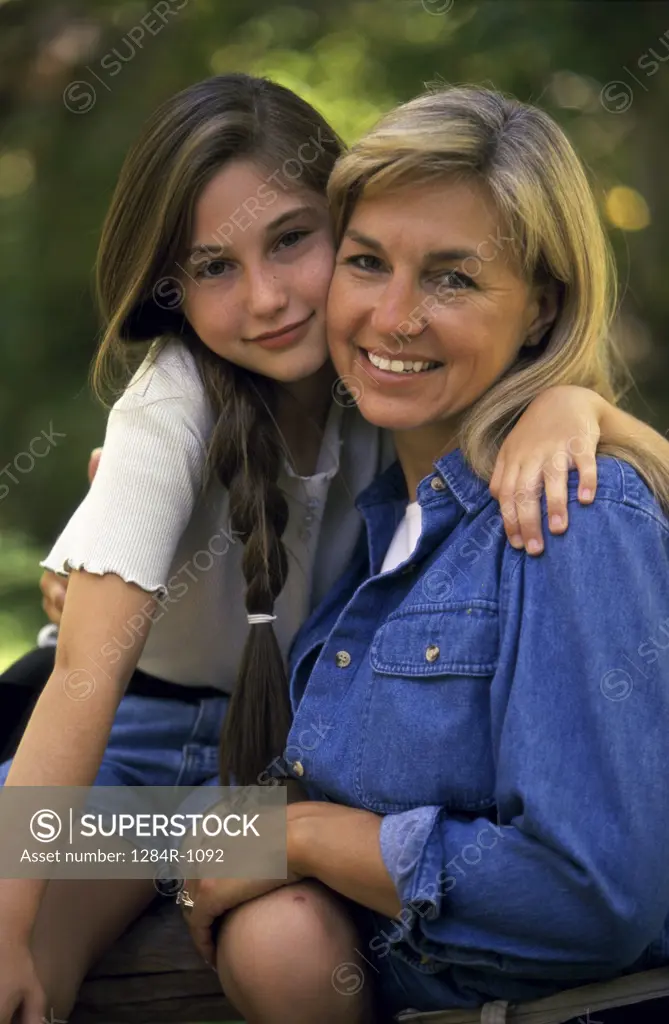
<point x="214" y="249"/>
<point x="436" y="256"/>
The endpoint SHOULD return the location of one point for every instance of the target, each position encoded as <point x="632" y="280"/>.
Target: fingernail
<point x="516" y="541"/>
<point x="586" y="494"/>
<point x="557" y="522"/>
<point x="534" y="547"/>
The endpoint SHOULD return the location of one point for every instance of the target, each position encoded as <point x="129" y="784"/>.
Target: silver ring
<point x="184" y="897"/>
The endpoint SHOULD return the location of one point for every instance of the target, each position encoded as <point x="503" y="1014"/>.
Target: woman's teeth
<point x="399" y="366"/>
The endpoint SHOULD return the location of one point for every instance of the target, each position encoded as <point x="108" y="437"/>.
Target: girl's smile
<point x="285" y="336"/>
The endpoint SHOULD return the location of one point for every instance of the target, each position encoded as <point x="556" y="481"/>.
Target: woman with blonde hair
<point x="489" y="794"/>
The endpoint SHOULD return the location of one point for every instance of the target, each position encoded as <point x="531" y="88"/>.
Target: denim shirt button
<point x="342" y="659"/>
<point x="437" y="484"/>
<point x="298" y="768"/>
<point x="432" y="653"/>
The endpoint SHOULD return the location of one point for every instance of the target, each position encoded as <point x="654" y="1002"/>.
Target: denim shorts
<point x="396" y="984"/>
<point x="157" y="741"/>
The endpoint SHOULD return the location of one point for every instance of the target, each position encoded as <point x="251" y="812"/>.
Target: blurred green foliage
<point x="78" y="77"/>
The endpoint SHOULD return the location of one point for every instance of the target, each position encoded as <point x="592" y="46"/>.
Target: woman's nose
<point x="398" y="312"/>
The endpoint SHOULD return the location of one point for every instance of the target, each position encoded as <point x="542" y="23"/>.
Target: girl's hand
<point x="215" y="896"/>
<point x="22" y="999"/>
<point x="53" y="589"/>
<point x="558" y="431"/>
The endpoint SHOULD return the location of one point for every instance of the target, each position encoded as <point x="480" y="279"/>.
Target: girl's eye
<point x="212" y="268"/>
<point x="363" y="261"/>
<point x="291" y="238"/>
<point x="452" y="279"/>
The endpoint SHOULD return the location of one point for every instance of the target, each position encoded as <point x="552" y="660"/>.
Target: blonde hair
<point x="554" y="231"/>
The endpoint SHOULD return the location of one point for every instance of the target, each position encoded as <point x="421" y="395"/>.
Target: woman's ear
<point x="546" y="300"/>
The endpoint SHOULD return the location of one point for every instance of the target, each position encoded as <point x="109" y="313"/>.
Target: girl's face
<point x="257" y="275"/>
<point x="426" y="309"/>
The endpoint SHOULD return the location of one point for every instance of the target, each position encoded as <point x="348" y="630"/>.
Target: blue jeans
<point x="157" y="741"/>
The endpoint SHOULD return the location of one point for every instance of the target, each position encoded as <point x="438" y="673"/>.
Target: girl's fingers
<point x="528" y="505"/>
<point x="507" y="504"/>
<point x="201" y="936"/>
<point x="52" y="613"/>
<point x="497" y="475"/>
<point x="587" y="476"/>
<point x="556" y="499"/>
<point x="93" y="463"/>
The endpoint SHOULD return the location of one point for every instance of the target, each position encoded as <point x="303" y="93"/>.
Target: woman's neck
<point x="418" y="449"/>
<point x="302" y="412"/>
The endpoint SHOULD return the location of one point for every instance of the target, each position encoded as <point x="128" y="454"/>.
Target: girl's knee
<point x="295" y="935"/>
<point x="278" y="958"/>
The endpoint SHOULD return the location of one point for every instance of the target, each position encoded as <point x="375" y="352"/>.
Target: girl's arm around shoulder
<point x="561" y="429"/>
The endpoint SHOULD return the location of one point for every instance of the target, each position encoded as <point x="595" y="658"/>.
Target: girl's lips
<point x="388" y="376"/>
<point x="287" y="337"/>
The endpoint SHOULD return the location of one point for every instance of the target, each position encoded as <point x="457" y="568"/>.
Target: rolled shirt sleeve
<point x="572" y="881"/>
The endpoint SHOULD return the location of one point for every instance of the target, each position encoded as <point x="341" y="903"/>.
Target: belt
<point x="144" y="685"/>
<point x="564" y="1006"/>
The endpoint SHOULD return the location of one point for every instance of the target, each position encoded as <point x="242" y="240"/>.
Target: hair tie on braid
<point x="259" y="617"/>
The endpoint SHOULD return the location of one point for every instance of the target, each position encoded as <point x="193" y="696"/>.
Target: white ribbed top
<point x="146" y="520"/>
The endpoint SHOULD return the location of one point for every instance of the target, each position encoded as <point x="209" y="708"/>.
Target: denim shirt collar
<point x="445" y="496"/>
<point x="461" y="481"/>
<point x="382" y="505"/>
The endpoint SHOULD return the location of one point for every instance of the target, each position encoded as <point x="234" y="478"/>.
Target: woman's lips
<point x="281" y="339"/>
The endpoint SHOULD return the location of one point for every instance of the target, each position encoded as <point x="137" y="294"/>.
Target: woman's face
<point x="258" y="271"/>
<point x="427" y="308"/>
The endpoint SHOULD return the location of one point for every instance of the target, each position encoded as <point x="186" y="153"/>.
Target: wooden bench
<point x="153" y="975"/>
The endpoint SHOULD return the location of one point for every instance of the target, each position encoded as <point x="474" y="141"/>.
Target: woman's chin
<point x="388" y="417"/>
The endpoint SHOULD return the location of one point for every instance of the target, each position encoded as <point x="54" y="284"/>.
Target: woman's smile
<point x="396" y="371"/>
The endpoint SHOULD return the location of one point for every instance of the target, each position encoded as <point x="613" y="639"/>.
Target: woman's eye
<point x="213" y="268"/>
<point x="452" y="279"/>
<point x="363" y="261"/>
<point x="291" y="238"/>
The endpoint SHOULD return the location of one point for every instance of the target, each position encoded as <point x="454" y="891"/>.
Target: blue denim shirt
<point x="508" y="716"/>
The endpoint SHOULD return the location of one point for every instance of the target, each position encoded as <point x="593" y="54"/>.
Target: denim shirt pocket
<point x="425" y="735"/>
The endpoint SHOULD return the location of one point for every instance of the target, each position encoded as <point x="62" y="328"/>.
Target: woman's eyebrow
<point x="449" y="255"/>
<point x="214" y="249"/>
<point x="364" y="240"/>
<point x="436" y="256"/>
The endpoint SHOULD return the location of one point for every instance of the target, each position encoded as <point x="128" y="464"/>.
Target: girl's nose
<point x="266" y="295"/>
